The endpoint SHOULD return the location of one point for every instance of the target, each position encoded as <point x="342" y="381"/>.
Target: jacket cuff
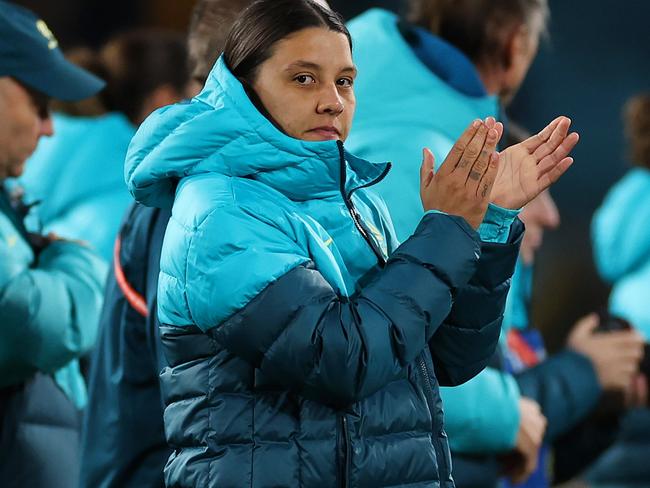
<point x="498" y="260"/>
<point x="496" y="224"/>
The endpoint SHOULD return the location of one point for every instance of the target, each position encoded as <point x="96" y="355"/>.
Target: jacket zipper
<point x="427" y="384"/>
<point x="441" y="456"/>
<point x="346" y="452"/>
<point x="356" y="218"/>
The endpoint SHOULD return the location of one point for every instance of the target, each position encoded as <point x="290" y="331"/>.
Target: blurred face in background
<point x="523" y="48"/>
<point x="307" y="85"/>
<point x="540" y="214"/>
<point x="24" y="118"/>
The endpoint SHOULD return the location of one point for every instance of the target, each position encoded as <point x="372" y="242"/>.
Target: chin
<point x="16" y="171"/>
<point x="313" y="138"/>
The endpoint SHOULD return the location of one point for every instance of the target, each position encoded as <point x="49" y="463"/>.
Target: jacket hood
<point x="221" y="130"/>
<point x="620" y="234"/>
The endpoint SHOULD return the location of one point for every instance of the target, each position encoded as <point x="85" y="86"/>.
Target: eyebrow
<point x="317" y="67"/>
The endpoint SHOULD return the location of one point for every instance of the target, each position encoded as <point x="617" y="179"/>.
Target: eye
<point x="345" y="82"/>
<point x="304" y="79"/>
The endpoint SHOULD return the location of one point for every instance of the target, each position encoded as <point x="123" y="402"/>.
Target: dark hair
<point x="139" y="62"/>
<point x="477" y="27"/>
<point x="210" y="23"/>
<point x="89" y="60"/>
<point x="637" y="125"/>
<point x="264" y="23"/>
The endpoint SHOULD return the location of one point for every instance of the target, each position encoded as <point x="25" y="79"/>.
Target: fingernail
<point x="477" y="123"/>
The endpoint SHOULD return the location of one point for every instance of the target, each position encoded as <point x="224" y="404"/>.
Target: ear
<point x="161" y="96"/>
<point x="516" y="43"/>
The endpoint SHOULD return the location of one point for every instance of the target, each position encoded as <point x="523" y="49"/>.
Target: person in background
<point x="449" y="62"/>
<point x="569" y="384"/>
<point x="144" y="70"/>
<point x="50" y="286"/>
<point x="123" y="438"/>
<point x="621" y="244"/>
<point x="453" y="61"/>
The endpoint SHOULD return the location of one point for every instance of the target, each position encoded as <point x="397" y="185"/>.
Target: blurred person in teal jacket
<point x="123" y="438"/>
<point x="78" y="174"/>
<point x="421" y="91"/>
<point x="567" y="385"/>
<point x="50" y="286"/>
<point x="621" y="244"/>
<point x="620" y="235"/>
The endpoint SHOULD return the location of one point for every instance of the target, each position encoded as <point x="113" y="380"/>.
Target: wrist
<point x="507" y="202"/>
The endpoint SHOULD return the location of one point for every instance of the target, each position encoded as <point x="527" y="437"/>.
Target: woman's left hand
<point x="528" y="168"/>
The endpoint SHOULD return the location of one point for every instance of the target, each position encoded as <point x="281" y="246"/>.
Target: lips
<point x="327" y="132"/>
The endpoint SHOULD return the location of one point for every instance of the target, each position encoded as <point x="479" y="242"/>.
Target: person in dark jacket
<point x="305" y="345"/>
<point x="621" y="244"/>
<point x="569" y="384"/>
<point x="123" y="440"/>
<point x="50" y="287"/>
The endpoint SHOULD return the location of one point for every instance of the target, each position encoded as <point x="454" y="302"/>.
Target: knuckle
<point x="480" y="165"/>
<point x="458" y="149"/>
<point x="455" y="185"/>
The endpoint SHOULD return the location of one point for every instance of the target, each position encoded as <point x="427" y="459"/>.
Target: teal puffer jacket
<point x="49" y="306"/>
<point x="621" y="243"/>
<point x="90" y="205"/>
<point x="305" y="346"/>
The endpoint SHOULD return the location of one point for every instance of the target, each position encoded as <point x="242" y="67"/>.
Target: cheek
<point x="25" y="128"/>
<point x="348" y="115"/>
<point x="287" y="108"/>
<point x="295" y="114"/>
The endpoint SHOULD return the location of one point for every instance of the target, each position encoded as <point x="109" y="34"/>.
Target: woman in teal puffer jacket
<point x="305" y="346"/>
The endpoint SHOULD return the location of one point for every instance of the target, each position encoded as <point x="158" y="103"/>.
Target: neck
<point x="491" y="79"/>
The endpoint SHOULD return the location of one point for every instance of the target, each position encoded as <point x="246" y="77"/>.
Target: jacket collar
<point x="222" y="131"/>
<point x="446" y="61"/>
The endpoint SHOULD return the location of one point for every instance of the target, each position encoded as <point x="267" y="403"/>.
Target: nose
<point x="330" y="101"/>
<point x="47" y="127"/>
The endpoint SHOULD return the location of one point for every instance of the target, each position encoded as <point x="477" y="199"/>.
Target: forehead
<point x="317" y="45"/>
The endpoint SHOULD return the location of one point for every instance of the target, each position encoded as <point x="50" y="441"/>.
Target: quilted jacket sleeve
<point x="49" y="312"/>
<point x="566" y="388"/>
<point x="286" y="319"/>
<point x="467" y="339"/>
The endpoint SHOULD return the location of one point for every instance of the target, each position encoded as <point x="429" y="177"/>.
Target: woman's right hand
<point x="463" y="184"/>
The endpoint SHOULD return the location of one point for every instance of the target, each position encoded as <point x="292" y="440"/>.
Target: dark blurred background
<point x="597" y="56"/>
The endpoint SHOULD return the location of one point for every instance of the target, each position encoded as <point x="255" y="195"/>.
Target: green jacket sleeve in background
<point x="49" y="309"/>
